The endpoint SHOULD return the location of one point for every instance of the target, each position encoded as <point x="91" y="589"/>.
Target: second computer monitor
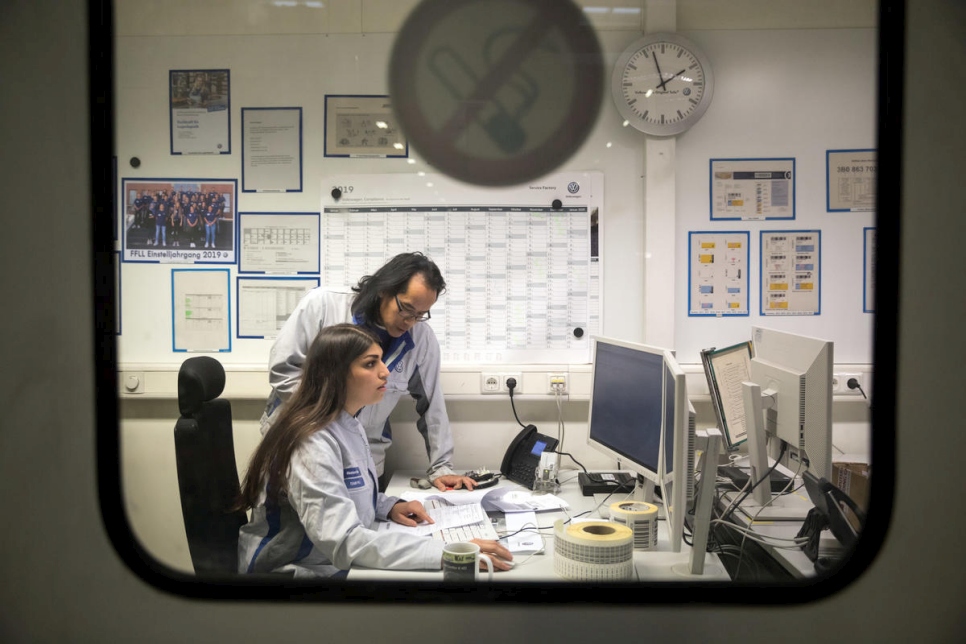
<point x="678" y="450"/>
<point x="626" y="405"/>
<point x="641" y="415"/>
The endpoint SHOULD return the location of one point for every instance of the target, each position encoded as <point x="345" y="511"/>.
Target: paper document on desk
<point x="453" y="497"/>
<point x="510" y="500"/>
<point x="444" y="515"/>
<point x="527" y="539"/>
<point x="500" y="499"/>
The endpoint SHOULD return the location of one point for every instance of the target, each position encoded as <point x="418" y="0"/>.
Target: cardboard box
<point x="853" y="479"/>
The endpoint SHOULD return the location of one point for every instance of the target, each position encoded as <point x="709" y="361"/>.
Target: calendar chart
<point x="520" y="285"/>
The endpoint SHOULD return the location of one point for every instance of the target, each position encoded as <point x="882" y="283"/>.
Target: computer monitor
<point x="677" y="472"/>
<point x="788" y="399"/>
<point x="627" y="406"/>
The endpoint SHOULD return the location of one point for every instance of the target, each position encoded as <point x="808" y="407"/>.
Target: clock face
<point x="662" y="84"/>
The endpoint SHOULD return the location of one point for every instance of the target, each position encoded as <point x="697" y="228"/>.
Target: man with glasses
<point x="392" y="302"/>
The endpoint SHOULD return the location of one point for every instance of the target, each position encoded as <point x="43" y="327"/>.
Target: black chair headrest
<point x="200" y="379"/>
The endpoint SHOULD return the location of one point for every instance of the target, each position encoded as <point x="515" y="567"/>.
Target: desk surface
<point x="793" y="560"/>
<point x="654" y="565"/>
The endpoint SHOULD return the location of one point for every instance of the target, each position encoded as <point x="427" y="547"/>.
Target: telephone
<point x="523" y="455"/>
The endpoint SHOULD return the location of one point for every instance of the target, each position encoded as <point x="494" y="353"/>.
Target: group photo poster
<point x="362" y="126"/>
<point x="200" y="106"/>
<point x="749" y="189"/>
<point x="850" y="180"/>
<point x="178" y="220"/>
<point x="271" y="149"/>
<point x="718" y="273"/>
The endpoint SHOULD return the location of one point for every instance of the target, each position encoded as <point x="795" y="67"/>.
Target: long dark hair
<point x="392" y="279"/>
<point x="319" y="398"/>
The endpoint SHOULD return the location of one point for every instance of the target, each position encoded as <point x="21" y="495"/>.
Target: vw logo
<point x="573" y="187"/>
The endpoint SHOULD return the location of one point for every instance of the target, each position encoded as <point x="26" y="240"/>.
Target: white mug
<point x="461" y="562"/>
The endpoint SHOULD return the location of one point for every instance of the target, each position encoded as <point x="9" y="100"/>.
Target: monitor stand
<point x="788" y="507"/>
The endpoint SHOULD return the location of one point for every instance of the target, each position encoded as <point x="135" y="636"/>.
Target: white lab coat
<point x="326" y="521"/>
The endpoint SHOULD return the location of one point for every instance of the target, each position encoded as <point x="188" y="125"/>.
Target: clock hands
<point x="664" y="81"/>
<point x="659" y="74"/>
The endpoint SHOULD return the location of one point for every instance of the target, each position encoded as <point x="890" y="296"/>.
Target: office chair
<point x="207" y="474"/>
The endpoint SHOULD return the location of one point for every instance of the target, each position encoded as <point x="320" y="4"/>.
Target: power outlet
<point x="840" y="384"/>
<point x="491" y="383"/>
<point x="495" y="383"/>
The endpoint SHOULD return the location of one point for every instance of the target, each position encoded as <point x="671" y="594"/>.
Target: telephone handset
<point x="523" y="455"/>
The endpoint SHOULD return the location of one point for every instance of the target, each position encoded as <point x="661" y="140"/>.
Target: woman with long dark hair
<point x="312" y="482"/>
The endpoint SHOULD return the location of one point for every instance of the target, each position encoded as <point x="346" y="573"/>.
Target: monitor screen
<point x="626" y="404"/>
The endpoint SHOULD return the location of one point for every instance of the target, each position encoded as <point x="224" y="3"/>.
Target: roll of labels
<point x="604" y="550"/>
<point x="641" y="518"/>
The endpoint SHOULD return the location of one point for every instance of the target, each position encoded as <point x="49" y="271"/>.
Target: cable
<point x="561" y="431"/>
<point x="557" y="451"/>
<point x="511" y="384"/>
<point x="854" y="384"/>
<point x="744" y="495"/>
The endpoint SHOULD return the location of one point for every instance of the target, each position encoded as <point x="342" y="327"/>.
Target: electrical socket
<point x="491" y="383"/>
<point x="495" y="383"/>
<point x="840" y="384"/>
<point x="557" y="382"/>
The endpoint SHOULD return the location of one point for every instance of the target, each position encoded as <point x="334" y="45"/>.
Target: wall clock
<point x="662" y="84"/>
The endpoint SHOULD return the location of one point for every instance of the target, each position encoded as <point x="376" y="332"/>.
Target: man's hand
<point x="496" y="552"/>
<point x="453" y="482"/>
<point x="409" y="513"/>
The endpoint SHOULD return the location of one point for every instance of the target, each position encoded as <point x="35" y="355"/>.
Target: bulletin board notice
<point x="750" y="189"/>
<point x="718" y="273"/>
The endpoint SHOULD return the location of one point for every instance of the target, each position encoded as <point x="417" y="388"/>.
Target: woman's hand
<point x="453" y="482"/>
<point x="409" y="513"/>
<point x="501" y="556"/>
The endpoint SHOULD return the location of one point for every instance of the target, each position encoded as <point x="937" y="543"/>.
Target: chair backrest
<point x="207" y="474"/>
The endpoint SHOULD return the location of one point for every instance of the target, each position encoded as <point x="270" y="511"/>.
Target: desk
<point x="654" y="565"/>
<point x="790" y="562"/>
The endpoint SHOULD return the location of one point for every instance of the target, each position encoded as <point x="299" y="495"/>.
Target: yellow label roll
<point x="593" y="551"/>
<point x="641" y="518"/>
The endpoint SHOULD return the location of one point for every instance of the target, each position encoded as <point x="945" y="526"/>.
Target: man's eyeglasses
<point x="409" y="313"/>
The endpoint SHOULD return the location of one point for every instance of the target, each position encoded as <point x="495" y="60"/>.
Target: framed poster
<point x="271" y="149"/>
<point x="718" y="273"/>
<point x="850" y="180"/>
<point x="199" y="103"/>
<point x="791" y="279"/>
<point x="278" y="242"/>
<point x="179" y="220"/>
<point x="752" y="189"/>
<point x="265" y="303"/>
<point x="362" y="126"/>
<point x="200" y="309"/>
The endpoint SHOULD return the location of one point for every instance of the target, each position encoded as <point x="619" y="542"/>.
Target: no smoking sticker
<point x="496" y="92"/>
